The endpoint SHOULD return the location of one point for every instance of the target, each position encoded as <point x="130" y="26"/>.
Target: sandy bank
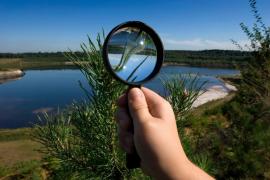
<point x="11" y="74"/>
<point x="213" y="93"/>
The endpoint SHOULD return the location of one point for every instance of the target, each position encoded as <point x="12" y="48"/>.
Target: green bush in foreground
<point x="82" y="141"/>
<point x="249" y="111"/>
<point x="236" y="135"/>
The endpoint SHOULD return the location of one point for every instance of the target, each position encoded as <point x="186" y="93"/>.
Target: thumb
<point x="138" y="106"/>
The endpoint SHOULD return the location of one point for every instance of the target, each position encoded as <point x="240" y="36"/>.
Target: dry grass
<point x="12" y="152"/>
<point x="10" y="60"/>
<point x="34" y="63"/>
<point x="8" y="63"/>
<point x="15" y="134"/>
<point x="19" y="158"/>
<point x="16" y="146"/>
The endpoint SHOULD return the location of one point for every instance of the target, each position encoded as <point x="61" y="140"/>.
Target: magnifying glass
<point x="133" y="54"/>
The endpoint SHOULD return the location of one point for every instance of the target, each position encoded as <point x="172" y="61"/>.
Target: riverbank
<point x="36" y="62"/>
<point x="10" y="75"/>
<point x="214" y="93"/>
<point x="13" y="73"/>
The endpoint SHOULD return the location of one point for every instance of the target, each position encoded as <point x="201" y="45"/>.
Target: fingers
<point x="158" y="106"/>
<point x="126" y="141"/>
<point x="143" y="104"/>
<point x="123" y="119"/>
<point x="124" y="125"/>
<point x="138" y="106"/>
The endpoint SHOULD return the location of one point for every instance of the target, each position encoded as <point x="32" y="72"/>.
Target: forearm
<point x="185" y="170"/>
<point x="194" y="172"/>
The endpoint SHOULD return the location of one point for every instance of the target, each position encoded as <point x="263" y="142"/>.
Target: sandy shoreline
<point x="10" y="75"/>
<point x="213" y="93"/>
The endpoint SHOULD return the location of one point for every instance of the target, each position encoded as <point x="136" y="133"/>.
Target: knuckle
<point x="138" y="107"/>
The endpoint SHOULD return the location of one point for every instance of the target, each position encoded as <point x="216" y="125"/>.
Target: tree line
<point x="215" y="58"/>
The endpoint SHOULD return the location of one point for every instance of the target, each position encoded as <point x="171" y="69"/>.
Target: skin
<point x="155" y="136"/>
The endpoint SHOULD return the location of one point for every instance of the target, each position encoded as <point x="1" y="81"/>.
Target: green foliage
<point x="84" y="138"/>
<point x="81" y="142"/>
<point x="4" y="171"/>
<point x="182" y="91"/>
<point x="239" y="144"/>
<point x="209" y="58"/>
<point x="249" y="111"/>
<point x="23" y="170"/>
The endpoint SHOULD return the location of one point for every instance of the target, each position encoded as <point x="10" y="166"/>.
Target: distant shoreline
<point x="20" y="64"/>
<point x="213" y="66"/>
<point x="204" y="58"/>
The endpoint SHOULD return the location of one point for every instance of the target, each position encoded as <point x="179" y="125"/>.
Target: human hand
<point x="155" y="135"/>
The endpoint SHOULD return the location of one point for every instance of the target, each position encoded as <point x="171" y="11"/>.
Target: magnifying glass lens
<point x="132" y="54"/>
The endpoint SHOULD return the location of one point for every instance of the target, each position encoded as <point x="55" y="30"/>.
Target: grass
<point x="12" y="152"/>
<point x="15" y="134"/>
<point x="24" y="170"/>
<point x="34" y="63"/>
<point x="19" y="158"/>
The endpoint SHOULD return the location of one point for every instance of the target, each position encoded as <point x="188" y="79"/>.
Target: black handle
<point x="133" y="160"/>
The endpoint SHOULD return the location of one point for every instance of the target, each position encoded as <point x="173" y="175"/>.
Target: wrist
<point x="174" y="169"/>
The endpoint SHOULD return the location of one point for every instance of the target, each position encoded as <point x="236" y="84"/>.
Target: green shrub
<point x="83" y="138"/>
<point x="241" y="148"/>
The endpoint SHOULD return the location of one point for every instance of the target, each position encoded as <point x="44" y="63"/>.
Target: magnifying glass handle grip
<point x="133" y="160"/>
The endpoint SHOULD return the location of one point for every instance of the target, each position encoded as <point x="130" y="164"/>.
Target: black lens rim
<point x="156" y="39"/>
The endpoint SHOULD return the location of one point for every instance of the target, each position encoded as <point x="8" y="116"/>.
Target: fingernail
<point x="135" y="94"/>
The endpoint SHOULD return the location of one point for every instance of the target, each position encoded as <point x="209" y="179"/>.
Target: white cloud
<point x="201" y="44"/>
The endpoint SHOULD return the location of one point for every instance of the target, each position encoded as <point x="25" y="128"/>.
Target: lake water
<point x="46" y="90"/>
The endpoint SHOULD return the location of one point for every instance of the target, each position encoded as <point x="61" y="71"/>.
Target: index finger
<point x="157" y="105"/>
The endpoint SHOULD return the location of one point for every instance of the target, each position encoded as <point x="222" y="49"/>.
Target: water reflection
<point x="21" y="100"/>
<point x="136" y="69"/>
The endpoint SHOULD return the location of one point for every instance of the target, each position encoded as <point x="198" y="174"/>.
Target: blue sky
<point x="56" y="25"/>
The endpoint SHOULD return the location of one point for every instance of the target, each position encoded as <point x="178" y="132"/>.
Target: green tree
<point x="248" y="134"/>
